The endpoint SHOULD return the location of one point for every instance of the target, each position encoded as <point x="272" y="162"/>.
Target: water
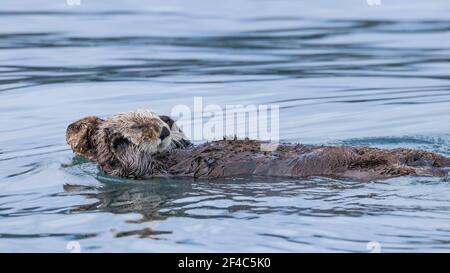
<point x="341" y="71"/>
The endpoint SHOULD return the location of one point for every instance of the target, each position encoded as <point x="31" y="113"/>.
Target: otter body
<point x="141" y="144"/>
<point x="235" y="158"/>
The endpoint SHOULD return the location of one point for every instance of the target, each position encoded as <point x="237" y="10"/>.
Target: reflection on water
<point x="342" y="72"/>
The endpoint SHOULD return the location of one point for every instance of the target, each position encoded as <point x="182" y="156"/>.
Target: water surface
<point x="343" y="72"/>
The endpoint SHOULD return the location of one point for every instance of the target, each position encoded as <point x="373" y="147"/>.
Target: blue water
<point x="342" y="72"/>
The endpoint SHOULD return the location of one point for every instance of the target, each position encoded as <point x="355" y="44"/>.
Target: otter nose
<point x="164" y="133"/>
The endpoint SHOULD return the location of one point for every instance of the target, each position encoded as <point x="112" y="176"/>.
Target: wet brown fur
<point x="233" y="158"/>
<point x="80" y="136"/>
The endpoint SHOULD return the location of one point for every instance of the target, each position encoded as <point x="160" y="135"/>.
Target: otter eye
<point x="135" y="127"/>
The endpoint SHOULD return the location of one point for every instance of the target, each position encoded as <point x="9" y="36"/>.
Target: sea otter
<point x="134" y="145"/>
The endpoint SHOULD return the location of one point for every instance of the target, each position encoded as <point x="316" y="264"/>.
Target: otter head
<point x="142" y="128"/>
<point x="79" y="135"/>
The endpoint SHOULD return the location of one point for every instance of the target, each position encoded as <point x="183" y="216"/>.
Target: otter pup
<point x="80" y="136"/>
<point x="128" y="146"/>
